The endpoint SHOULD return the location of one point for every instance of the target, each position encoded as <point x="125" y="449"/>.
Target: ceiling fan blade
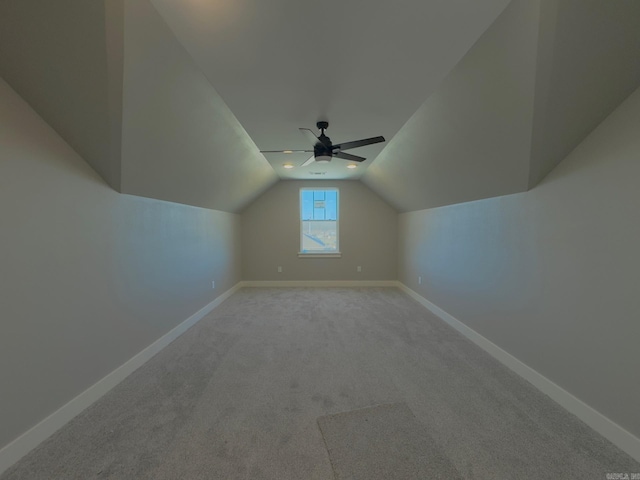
<point x="286" y="151"/>
<point x="313" y="138"/>
<point x="348" y="156"/>
<point x="359" y="143"/>
<point x="309" y="162"/>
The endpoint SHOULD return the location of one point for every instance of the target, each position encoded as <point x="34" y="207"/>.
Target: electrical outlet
<point x="359" y="268"/>
<point x="213" y="284"/>
<point x="419" y="280"/>
<point x="279" y="269"/>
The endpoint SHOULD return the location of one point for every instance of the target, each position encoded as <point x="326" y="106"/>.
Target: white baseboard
<point x="320" y="283"/>
<point x="26" y="442"/>
<point x="607" y="428"/>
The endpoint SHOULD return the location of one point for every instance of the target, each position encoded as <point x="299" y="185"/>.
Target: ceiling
<point x="363" y="66"/>
<point x="174" y="99"/>
<point x="532" y="87"/>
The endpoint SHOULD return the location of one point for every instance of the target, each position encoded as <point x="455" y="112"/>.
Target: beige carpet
<point x="239" y="395"/>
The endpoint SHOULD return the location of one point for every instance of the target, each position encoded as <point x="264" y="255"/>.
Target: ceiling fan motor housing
<point x="322" y="151"/>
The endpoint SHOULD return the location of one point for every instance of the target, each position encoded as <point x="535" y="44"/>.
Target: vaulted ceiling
<point x="363" y="66"/>
<point x="175" y="99"/>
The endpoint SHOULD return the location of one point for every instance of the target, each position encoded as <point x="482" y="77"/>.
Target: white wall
<point x="552" y="275"/>
<point x="271" y="236"/>
<point x="88" y="277"/>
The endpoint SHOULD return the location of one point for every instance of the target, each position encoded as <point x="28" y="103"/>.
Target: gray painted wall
<point x="89" y="277"/>
<point x="550" y="275"/>
<point x="271" y="236"/>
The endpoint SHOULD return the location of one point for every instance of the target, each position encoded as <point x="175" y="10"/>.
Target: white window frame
<point x="332" y="254"/>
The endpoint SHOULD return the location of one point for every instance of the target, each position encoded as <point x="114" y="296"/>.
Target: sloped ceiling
<point x="173" y="100"/>
<point x="363" y="66"/>
<point x="532" y="87"/>
<point x="114" y="82"/>
<point x="60" y="66"/>
<point x="471" y="138"/>
<point x="180" y="141"/>
<point x="588" y="63"/>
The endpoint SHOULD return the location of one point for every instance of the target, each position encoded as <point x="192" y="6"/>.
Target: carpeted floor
<point x="385" y="442"/>
<point x="239" y="396"/>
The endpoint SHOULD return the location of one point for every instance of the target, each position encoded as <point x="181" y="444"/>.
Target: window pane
<point x="319" y="236"/>
<point x="331" y="205"/>
<point x="319" y="221"/>
<point x="307" y="205"/>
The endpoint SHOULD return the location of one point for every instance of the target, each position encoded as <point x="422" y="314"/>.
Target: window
<point x="319" y="221"/>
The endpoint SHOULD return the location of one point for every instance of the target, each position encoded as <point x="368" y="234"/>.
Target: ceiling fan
<point x="324" y="150"/>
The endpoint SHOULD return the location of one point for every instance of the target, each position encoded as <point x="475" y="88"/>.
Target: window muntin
<point x="319" y="210"/>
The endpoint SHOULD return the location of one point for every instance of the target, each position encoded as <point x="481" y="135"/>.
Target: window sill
<point x="319" y="255"/>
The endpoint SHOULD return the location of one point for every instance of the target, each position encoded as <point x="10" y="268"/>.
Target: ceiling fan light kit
<point x="324" y="150"/>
